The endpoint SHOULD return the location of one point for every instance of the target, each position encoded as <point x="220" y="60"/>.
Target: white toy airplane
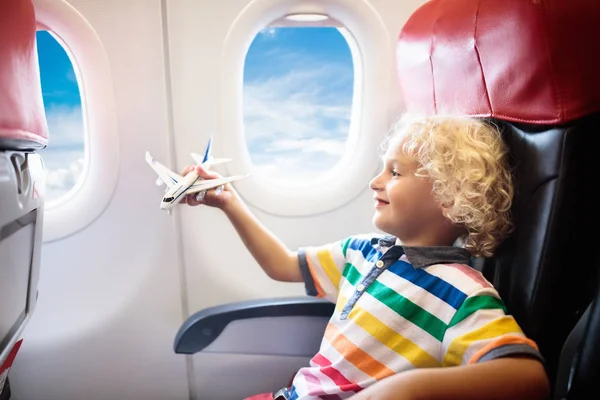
<point x="179" y="186"/>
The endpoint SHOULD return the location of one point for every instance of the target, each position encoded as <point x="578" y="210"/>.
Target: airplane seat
<point x="23" y="131"/>
<point x="528" y="67"/>
<point x="579" y="367"/>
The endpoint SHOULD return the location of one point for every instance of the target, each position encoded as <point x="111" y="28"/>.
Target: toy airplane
<point x="177" y="186"/>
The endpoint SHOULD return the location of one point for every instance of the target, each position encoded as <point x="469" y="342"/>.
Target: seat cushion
<point x="22" y="118"/>
<point x="534" y="61"/>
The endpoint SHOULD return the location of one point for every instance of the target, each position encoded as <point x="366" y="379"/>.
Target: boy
<point x="407" y="303"/>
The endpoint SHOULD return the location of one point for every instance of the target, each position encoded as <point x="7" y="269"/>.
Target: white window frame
<point x="91" y="195"/>
<point x="372" y="54"/>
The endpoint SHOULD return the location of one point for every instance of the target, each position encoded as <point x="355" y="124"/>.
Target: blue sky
<point x="298" y="85"/>
<point x="63" y="157"/>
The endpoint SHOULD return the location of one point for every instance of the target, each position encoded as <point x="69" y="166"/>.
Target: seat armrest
<point x="203" y="327"/>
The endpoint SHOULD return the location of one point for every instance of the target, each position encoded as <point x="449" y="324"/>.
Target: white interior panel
<point x="218" y="268"/>
<point x="109" y="296"/>
<point x="113" y="295"/>
<point x="85" y="202"/>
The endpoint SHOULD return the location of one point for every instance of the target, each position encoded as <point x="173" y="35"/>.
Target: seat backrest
<point x="529" y="67"/>
<point x="22" y="119"/>
<point x="579" y="368"/>
<point x="545" y="270"/>
<point x="23" y="129"/>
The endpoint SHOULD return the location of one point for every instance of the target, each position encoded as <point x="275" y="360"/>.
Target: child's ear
<point x="445" y="208"/>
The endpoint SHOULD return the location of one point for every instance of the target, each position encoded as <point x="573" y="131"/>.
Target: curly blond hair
<point x="466" y="159"/>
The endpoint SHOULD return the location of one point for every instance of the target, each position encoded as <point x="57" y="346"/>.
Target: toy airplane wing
<point x="165" y="174"/>
<point x="212" y="183"/>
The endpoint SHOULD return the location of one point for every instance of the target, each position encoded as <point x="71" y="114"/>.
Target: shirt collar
<point x="423" y="256"/>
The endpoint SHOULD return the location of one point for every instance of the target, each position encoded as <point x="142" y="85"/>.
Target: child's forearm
<point x="509" y="378"/>
<point x="271" y="254"/>
<point x="505" y="378"/>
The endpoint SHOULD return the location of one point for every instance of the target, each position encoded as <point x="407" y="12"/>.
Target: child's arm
<point x="503" y="378"/>
<point x="271" y="254"/>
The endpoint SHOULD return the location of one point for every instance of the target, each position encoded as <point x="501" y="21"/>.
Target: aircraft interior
<point x="111" y="287"/>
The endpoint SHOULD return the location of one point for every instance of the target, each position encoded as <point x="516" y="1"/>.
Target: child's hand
<point x="211" y="198"/>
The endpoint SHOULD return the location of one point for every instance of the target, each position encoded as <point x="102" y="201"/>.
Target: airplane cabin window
<point x="82" y="158"/>
<point x="297" y="101"/>
<point x="64" y="157"/>
<point x="305" y="100"/>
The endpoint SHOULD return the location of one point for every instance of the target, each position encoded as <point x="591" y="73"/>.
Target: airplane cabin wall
<point x="112" y="296"/>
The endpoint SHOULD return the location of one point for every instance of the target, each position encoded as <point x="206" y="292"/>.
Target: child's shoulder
<point x="360" y="239"/>
<point x="464" y="278"/>
<point x="368" y="241"/>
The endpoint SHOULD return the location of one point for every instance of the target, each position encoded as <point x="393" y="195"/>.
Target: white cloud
<point x="297" y="123"/>
<point x="331" y="147"/>
<point x="268" y="32"/>
<point x="71" y="76"/>
<point x="295" y="170"/>
<point x="64" y="156"/>
<point x="60" y="181"/>
<point x="65" y="125"/>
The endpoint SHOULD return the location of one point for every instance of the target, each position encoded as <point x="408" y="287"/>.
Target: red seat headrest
<point x="534" y="61"/>
<point x="22" y="118"/>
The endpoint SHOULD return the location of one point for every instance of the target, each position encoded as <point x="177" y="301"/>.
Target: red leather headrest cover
<point x="535" y="61"/>
<point x="22" y="115"/>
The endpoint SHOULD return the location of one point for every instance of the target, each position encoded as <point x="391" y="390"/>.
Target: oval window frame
<point x="90" y="196"/>
<point x="372" y="54"/>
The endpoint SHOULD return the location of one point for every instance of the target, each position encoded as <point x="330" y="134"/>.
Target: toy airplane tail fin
<point x="207" y="155"/>
<point x="208" y="160"/>
<point x="214" y="161"/>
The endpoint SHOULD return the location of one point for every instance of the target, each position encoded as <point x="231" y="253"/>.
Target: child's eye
<point x="395" y="173"/>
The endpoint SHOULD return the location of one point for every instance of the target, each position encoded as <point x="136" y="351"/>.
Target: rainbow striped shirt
<point x="398" y="308"/>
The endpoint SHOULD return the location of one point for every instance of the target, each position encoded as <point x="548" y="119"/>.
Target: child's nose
<point x="375" y="183"/>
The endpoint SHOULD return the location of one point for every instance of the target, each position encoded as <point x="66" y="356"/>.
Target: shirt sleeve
<point x="322" y="268"/>
<point x="481" y="330"/>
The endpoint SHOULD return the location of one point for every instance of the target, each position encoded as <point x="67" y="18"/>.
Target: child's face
<point x="404" y="204"/>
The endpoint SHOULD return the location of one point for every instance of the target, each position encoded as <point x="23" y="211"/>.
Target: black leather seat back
<point x="579" y="368"/>
<point x="545" y="270"/>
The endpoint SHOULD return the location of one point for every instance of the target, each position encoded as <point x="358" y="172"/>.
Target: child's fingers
<point x="191" y="200"/>
<point x="187" y="170"/>
<point x="202" y="173"/>
<point x="216" y="200"/>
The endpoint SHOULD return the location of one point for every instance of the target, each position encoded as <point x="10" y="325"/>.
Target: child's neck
<point x="458" y="241"/>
